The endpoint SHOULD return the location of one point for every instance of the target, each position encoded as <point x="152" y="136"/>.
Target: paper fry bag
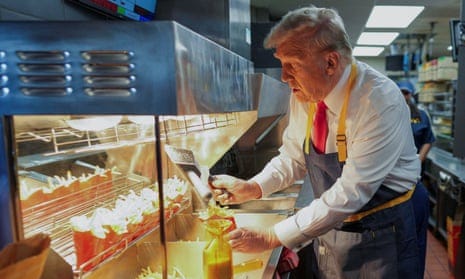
<point x="25" y="259"/>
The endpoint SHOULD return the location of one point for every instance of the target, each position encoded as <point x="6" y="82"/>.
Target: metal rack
<point x="183" y="125"/>
<point x="53" y="216"/>
<point x="440" y="106"/>
<point x="63" y="140"/>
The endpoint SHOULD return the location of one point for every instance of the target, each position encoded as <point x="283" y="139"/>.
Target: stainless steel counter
<point x="447" y="162"/>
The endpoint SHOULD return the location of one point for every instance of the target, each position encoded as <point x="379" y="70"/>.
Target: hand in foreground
<point x="231" y="190"/>
<point x="253" y="240"/>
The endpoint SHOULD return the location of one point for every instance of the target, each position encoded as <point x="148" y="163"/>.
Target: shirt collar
<point x="333" y="100"/>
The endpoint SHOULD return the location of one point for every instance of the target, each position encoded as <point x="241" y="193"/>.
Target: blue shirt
<point x="422" y="131"/>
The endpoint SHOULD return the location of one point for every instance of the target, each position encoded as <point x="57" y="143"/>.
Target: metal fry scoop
<point x="185" y="160"/>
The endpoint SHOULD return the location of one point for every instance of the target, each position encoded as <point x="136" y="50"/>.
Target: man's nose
<point x="285" y="76"/>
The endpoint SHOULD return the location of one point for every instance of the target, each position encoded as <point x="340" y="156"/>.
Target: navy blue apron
<point x="380" y="245"/>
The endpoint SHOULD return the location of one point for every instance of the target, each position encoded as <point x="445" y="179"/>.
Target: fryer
<point x="86" y="109"/>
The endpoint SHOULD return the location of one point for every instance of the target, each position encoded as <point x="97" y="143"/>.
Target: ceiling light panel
<point x="367" y="51"/>
<point x="377" y="38"/>
<point x="393" y="16"/>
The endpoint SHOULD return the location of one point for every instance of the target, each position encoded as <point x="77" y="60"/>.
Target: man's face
<point x="305" y="73"/>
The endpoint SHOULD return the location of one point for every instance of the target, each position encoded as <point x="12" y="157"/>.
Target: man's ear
<point x="333" y="59"/>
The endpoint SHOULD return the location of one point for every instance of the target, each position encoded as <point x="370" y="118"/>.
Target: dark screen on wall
<point x="138" y="10"/>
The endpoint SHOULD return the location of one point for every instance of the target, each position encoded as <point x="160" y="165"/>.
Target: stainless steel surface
<point x="281" y="200"/>
<point x="271" y="100"/>
<point x="270" y="96"/>
<point x="211" y="144"/>
<point x="226" y="22"/>
<point x="186" y="240"/>
<point x="167" y="69"/>
<point x="184" y="158"/>
<point x="279" y="203"/>
<point x="290" y="199"/>
<point x="446" y="161"/>
<point x="190" y="229"/>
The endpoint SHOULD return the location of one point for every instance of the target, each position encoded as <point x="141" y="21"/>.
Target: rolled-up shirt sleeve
<point x="289" y="165"/>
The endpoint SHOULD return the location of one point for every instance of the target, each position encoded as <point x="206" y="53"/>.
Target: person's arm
<point x="428" y="138"/>
<point x="289" y="165"/>
<point x="279" y="173"/>
<point x="423" y="152"/>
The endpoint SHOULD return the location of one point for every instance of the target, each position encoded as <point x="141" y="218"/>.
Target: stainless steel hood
<point x="271" y="100"/>
<point x="115" y="67"/>
<point x="270" y="96"/>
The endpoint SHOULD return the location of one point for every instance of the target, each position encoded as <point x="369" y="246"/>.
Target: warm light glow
<point x="142" y="119"/>
<point x="367" y="51"/>
<point x="377" y="38"/>
<point x="393" y="16"/>
<point x="95" y="124"/>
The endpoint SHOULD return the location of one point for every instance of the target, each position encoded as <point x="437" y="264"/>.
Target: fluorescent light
<point x="393" y="16"/>
<point x="367" y="51"/>
<point x="377" y="38"/>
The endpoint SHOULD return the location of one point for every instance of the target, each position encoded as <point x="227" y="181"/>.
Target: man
<point x="361" y="220"/>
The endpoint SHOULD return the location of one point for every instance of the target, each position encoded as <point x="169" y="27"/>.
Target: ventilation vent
<point x="108" y="73"/>
<point x="3" y="77"/>
<point x="44" y="73"/>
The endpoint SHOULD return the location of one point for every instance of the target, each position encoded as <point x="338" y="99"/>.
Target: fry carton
<point x="25" y="259"/>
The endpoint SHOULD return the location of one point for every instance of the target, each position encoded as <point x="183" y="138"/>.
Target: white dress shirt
<point x="380" y="150"/>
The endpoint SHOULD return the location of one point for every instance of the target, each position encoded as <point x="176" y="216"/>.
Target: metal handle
<point x="202" y="189"/>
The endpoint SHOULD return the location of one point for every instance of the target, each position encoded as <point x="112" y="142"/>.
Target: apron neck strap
<point x="341" y="142"/>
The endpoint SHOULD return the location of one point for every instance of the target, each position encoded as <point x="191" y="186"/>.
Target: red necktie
<point x="320" y="128"/>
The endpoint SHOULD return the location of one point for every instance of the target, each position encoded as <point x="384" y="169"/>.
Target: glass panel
<point x="90" y="183"/>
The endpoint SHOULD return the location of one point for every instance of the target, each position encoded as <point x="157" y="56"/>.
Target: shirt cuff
<point x="290" y="235"/>
<point x="268" y="183"/>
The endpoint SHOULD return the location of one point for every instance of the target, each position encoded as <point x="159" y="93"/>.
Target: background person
<point x="420" y="121"/>
<point x="424" y="138"/>
<point x="361" y="219"/>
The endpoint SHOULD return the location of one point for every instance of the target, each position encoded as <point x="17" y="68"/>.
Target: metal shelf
<point x="58" y="144"/>
<point x="447" y="137"/>
<point x="441" y="114"/>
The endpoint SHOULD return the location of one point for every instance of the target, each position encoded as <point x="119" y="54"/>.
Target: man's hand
<point x="230" y="190"/>
<point x="253" y="240"/>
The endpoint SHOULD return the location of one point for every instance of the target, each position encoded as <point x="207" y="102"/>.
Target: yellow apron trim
<point x="396" y="201"/>
<point x="308" y="134"/>
<point x="341" y="142"/>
